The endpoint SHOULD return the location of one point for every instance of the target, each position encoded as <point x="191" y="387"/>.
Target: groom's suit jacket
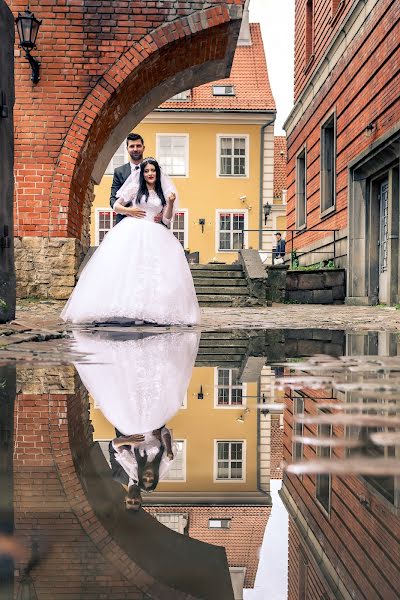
<point x="121" y="174"/>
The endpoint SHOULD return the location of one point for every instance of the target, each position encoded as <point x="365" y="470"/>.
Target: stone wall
<point x="323" y="286"/>
<point x="46" y="267"/>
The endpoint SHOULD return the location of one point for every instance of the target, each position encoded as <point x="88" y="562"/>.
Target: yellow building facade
<point x="199" y="428"/>
<point x="216" y="142"/>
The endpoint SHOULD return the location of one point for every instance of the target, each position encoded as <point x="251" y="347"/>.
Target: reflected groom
<point x="136" y="147"/>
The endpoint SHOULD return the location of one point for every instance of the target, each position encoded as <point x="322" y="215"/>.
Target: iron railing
<point x="294" y="233"/>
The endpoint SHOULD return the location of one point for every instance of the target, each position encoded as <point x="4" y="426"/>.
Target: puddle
<point x="149" y="465"/>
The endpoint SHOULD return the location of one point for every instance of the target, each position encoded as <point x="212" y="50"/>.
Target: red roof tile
<point x="249" y="76"/>
<point x="280" y="155"/>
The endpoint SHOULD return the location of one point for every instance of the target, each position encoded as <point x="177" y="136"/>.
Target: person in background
<point x="280" y="249"/>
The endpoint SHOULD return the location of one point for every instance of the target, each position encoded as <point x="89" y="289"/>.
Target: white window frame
<point x="231" y="441"/>
<point x="185" y="211"/>
<point x="110" y="167"/>
<point x="223" y="87"/>
<point x="246" y="226"/>
<point x="184" y="402"/>
<point x="183" y="96"/>
<point x="230" y="387"/>
<point x="184" y="135"/>
<point x="247" y="154"/>
<point x="183" y="480"/>
<point x="96" y="223"/>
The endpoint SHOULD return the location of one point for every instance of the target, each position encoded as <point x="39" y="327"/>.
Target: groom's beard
<point x="136" y="156"/>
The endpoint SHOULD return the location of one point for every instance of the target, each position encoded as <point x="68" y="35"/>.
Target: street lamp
<point x="28" y="28"/>
<point x="267" y="211"/>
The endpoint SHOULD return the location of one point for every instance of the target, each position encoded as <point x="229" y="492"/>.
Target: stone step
<point x="216" y="361"/>
<point x="220" y="290"/>
<point x="217" y="274"/>
<point x="211" y="267"/>
<point x="215" y="298"/>
<point x="223" y="281"/>
<point x="224" y="344"/>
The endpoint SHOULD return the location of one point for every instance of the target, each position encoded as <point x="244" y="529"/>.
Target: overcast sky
<point x="277" y="25"/>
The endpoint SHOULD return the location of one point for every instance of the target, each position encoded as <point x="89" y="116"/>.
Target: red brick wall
<point x="98" y="59"/>
<point x="324" y="26"/>
<point x="360" y="542"/>
<point x="242" y="541"/>
<point x="51" y="507"/>
<point x="364" y="87"/>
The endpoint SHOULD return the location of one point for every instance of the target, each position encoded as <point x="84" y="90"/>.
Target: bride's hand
<point x="171" y="197"/>
<point x="136" y="212"/>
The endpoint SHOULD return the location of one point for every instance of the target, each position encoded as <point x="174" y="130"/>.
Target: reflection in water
<point x="194" y="449"/>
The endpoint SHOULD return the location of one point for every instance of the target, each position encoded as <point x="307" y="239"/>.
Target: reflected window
<point x="177" y="471"/>
<point x="219" y="523"/>
<point x="229" y="390"/>
<point x="105" y="220"/>
<point x="230" y="460"/>
<point x="181" y="97"/>
<point x="298" y="428"/>
<point x="173" y="154"/>
<point x="223" y="90"/>
<point x="324" y="480"/>
<point x="176" y="521"/>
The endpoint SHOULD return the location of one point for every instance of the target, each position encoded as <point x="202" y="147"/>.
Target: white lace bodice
<point x="153" y="206"/>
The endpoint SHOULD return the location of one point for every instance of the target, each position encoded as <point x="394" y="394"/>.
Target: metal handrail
<point x="292" y="237"/>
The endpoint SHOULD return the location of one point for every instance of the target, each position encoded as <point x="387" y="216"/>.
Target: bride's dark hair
<point x="153" y="466"/>
<point x="143" y="190"/>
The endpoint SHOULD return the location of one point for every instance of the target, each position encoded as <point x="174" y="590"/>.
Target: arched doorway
<point x="180" y="53"/>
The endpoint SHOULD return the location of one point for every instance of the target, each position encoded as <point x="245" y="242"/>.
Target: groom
<point x="136" y="147"/>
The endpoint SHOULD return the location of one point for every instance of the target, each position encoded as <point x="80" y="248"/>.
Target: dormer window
<point x="181" y="97"/>
<point x="223" y="90"/>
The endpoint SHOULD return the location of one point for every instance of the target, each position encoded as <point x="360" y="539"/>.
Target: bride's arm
<point x="169" y="209"/>
<point x="131" y="211"/>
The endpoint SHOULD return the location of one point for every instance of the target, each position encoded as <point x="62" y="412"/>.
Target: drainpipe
<point x="260" y="223"/>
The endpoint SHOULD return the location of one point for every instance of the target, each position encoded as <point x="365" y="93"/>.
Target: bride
<point x="139" y="271"/>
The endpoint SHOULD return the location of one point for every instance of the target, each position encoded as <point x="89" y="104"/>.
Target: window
<point x="176" y="521"/>
<point x="120" y="158"/>
<point x="230" y="459"/>
<point x="105" y="219"/>
<point x="303" y="575"/>
<point x="230" y="230"/>
<point x="223" y="90"/>
<point x="309" y="30"/>
<point x="301" y="187"/>
<point x="232" y="156"/>
<point x="219" y="523"/>
<point x="172" y="154"/>
<point x="328" y="164"/>
<point x="180" y="228"/>
<point x="298" y="428"/>
<point x="182" y="96"/>
<point x="177" y="471"/>
<point x="324" y="481"/>
<point x="228" y="389"/>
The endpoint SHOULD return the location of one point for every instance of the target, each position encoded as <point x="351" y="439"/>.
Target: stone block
<point x="310" y="281"/>
<point x="292" y="281"/>
<point x="339" y="293"/>
<point x="322" y="296"/>
<point x="334" y="278"/>
<point x="300" y="296"/>
<point x="59" y="293"/>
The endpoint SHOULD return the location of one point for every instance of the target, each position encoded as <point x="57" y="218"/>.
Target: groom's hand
<point x="158" y="218"/>
<point x="135" y="211"/>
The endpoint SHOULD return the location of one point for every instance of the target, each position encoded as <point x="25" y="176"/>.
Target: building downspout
<point x="261" y="212"/>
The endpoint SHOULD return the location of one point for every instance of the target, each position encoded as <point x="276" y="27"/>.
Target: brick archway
<point x="184" y="45"/>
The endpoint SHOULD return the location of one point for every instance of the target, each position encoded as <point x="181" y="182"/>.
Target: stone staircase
<point x="222" y="348"/>
<point x="220" y="285"/>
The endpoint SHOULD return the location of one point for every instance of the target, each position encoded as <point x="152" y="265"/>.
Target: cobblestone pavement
<point x="38" y="321"/>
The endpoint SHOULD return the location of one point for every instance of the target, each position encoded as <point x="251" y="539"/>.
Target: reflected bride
<point x="139" y="383"/>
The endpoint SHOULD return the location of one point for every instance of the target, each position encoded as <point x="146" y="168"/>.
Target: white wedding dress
<point x="139" y="272"/>
<point x="139" y="382"/>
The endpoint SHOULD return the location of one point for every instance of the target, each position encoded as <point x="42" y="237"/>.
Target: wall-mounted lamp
<point x="370" y="128"/>
<point x="200" y="394"/>
<point x="28" y="28"/>
<point x="202" y="222"/>
<point x="267" y="211"/>
<point x="243" y="415"/>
